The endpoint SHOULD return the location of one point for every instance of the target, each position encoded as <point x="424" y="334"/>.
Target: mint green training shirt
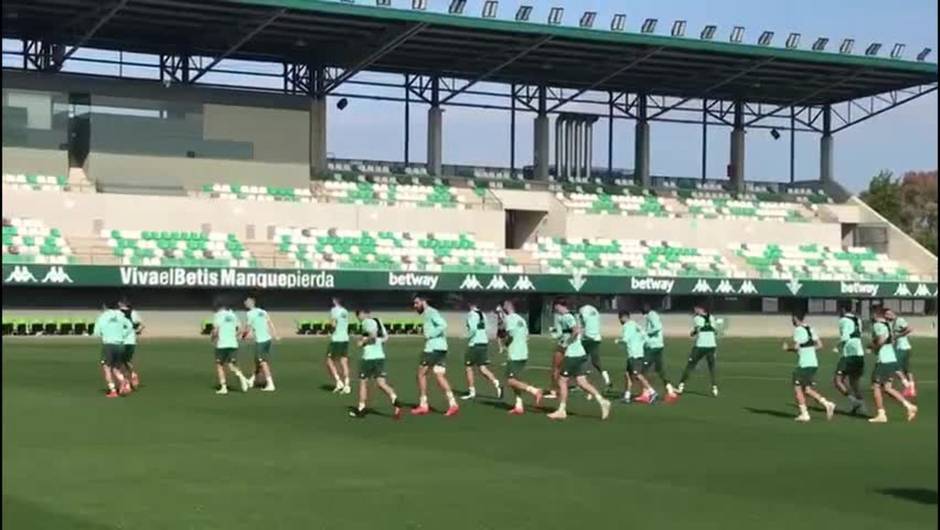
<point x="654" y="330"/>
<point x="475" y="335"/>
<point x="807" y="354"/>
<point x="573" y="346"/>
<point x="112" y="326"/>
<point x="704" y="339"/>
<point x="886" y="353"/>
<point x="591" y="322"/>
<point x="376" y="350"/>
<point x="258" y="321"/>
<point x="633" y="339"/>
<point x="435" y="330"/>
<point x="851" y="347"/>
<point x="226" y="325"/>
<point x="518" y="330"/>
<point x="341" y="329"/>
<point x="900" y="343"/>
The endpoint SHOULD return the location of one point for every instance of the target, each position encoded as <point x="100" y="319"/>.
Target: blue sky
<point x="900" y="140"/>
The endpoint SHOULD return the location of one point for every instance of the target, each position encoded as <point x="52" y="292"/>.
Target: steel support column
<point x="318" y="114"/>
<point x="641" y="164"/>
<point x="826" y="147"/>
<point x="541" y="137"/>
<point x="435" y="129"/>
<point x="736" y="167"/>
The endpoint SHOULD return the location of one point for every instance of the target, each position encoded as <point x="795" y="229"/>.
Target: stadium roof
<point x="360" y="37"/>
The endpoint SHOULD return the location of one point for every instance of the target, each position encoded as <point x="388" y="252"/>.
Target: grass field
<point x="176" y="456"/>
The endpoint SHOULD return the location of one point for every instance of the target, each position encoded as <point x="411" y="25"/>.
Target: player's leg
<point x="594" y="354"/>
<point x="591" y="390"/>
<point x="331" y="366"/>
<point x="363" y="396"/>
<point x="908" y="406"/>
<point x="694" y="357"/>
<point x="220" y="374"/>
<point x="562" y="411"/>
<point x="232" y="364"/>
<point x="557" y="357"/>
<point x="711" y="360"/>
<point x="383" y="385"/>
<point x="471" y="383"/>
<point x="627" y="384"/>
<point x="800" y="401"/>
<point x="440" y="375"/>
<point x="519" y="387"/>
<point x="115" y="360"/>
<point x="344" y="368"/>
<point x="648" y="391"/>
<point x="263" y="364"/>
<point x="268" y="376"/>
<point x="422" y="376"/>
<point x="485" y="370"/>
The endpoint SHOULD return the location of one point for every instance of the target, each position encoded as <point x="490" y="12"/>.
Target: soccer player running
<point x="886" y="368"/>
<point x="339" y="347"/>
<point x="591" y="322"/>
<point x="372" y="364"/>
<point x="852" y="359"/>
<point x="902" y="346"/>
<point x="653" y="349"/>
<point x="706" y="346"/>
<point x="260" y="327"/>
<point x="130" y="342"/>
<point x="477" y="355"/>
<point x="633" y="341"/>
<point x="805" y="343"/>
<point x="225" y="336"/>
<point x="558" y="355"/>
<point x="517" y="348"/>
<point x="113" y="327"/>
<point x="573" y="364"/>
<point x="433" y="358"/>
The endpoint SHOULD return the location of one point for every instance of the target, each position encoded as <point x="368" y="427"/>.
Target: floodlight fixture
<point x="619" y="22"/>
<point x="419" y="5"/>
<point x="775" y="134"/>
<point x="587" y="19"/>
<point x="898" y="50"/>
<point x="737" y="34"/>
<point x="383" y="3"/>
<point x="793" y="41"/>
<point x="846" y="46"/>
<point x="873" y="49"/>
<point x="765" y="38"/>
<point x="923" y="54"/>
<point x="649" y="25"/>
<point x="820" y="44"/>
<point x="456" y="7"/>
<point x="522" y="15"/>
<point x="708" y="33"/>
<point x="342" y="104"/>
<point x="489" y="8"/>
<point x="555" y="15"/>
<point x="678" y="28"/>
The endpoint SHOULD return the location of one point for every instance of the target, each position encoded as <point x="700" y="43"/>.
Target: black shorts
<point x="112" y="355"/>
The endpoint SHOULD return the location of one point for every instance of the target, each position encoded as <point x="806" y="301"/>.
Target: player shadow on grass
<point x="918" y="495"/>
<point x="790" y="415"/>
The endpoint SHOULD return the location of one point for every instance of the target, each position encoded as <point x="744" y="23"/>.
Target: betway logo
<point x="652" y="284"/>
<point x="871" y="289"/>
<point x="428" y="281"/>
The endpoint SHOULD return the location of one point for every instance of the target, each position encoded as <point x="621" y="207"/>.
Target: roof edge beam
<point x="716" y="86"/>
<point x="241" y="42"/>
<point x="870" y="115"/>
<point x="807" y="97"/>
<point x="91" y="32"/>
<point x="607" y="77"/>
<point x="387" y="47"/>
<point x="492" y="71"/>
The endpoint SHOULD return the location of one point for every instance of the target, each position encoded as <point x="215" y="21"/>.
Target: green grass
<point x="176" y="456"/>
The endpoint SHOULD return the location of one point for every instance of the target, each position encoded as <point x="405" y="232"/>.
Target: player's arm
<point x="695" y="326"/>
<point x="905" y="331"/>
<point x="440" y="326"/>
<point x="271" y="329"/>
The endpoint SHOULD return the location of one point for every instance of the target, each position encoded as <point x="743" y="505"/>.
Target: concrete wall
<point x="676" y="325"/>
<point x="278" y="135"/>
<point x="704" y="233"/>
<point x="901" y="247"/>
<point x="192" y="173"/>
<point x="75" y="214"/>
<point x="35" y="161"/>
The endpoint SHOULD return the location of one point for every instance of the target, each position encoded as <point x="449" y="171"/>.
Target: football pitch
<point x="176" y="456"/>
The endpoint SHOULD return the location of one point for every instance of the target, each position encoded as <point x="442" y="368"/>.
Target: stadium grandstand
<point x="141" y="154"/>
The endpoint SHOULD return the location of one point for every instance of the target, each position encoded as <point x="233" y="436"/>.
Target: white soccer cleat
<point x="347" y="389"/>
<point x="605" y="409"/>
<point x="339" y="387"/>
<point x="251" y="382"/>
<point x="268" y="387"/>
<point x="680" y="389"/>
<point x="911" y="412"/>
<point x="830" y="409"/>
<point x="244" y="384"/>
<point x="715" y="391"/>
<point x="468" y="396"/>
<point x="881" y="417"/>
<point x="222" y="390"/>
<point x="802" y="418"/>
<point x="557" y="415"/>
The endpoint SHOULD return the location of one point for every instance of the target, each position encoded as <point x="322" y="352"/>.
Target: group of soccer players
<point x="889" y="344"/>
<point x="578" y="340"/>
